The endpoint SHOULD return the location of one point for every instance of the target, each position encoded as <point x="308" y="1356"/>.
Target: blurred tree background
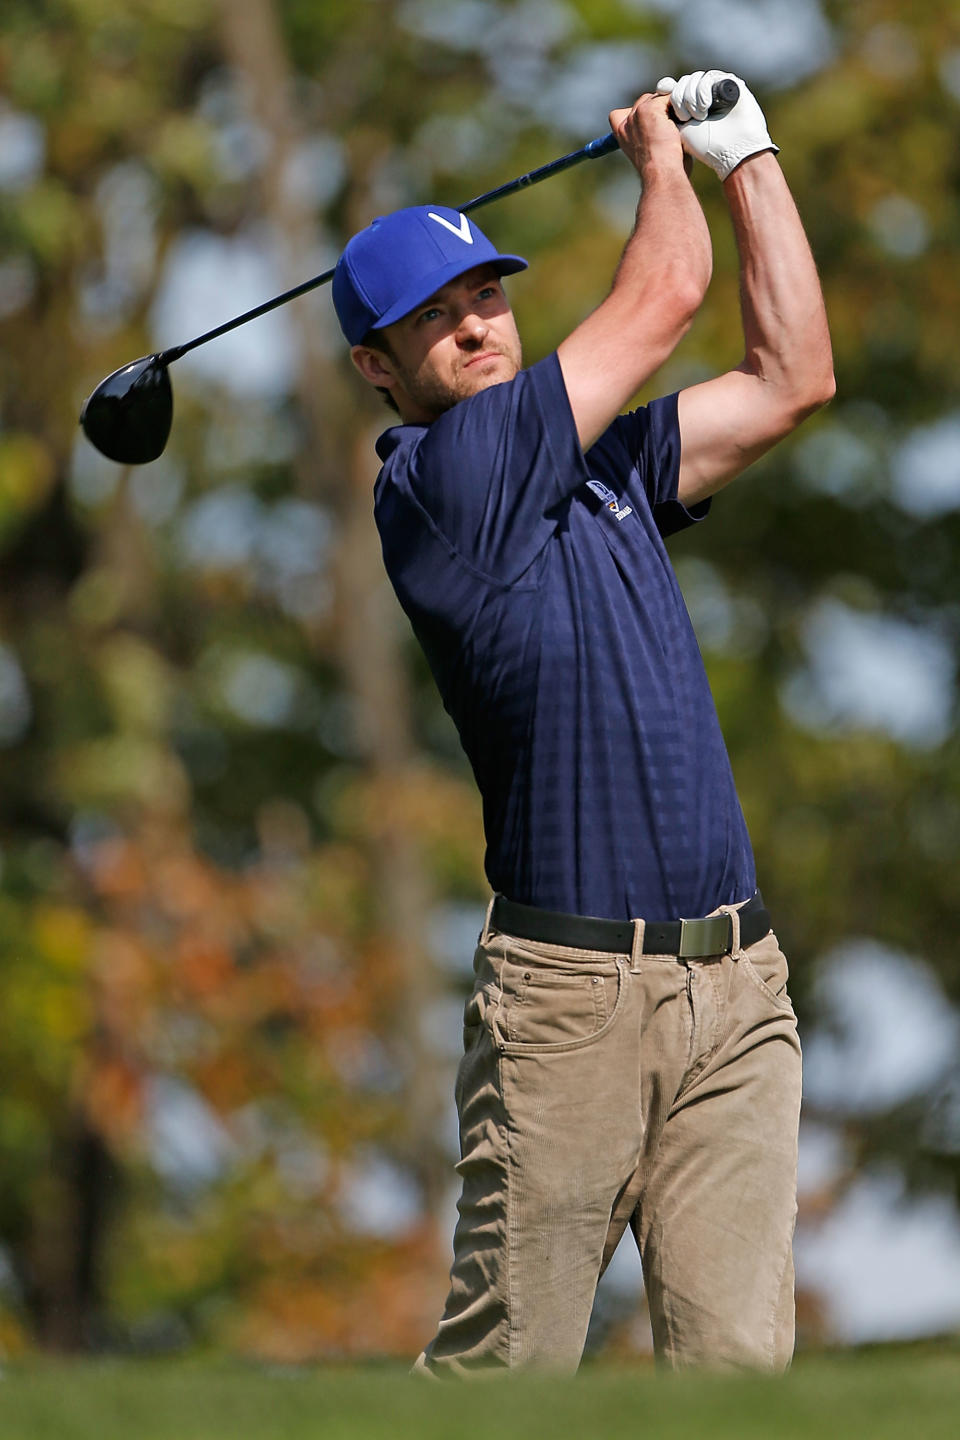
<point x="241" y="854"/>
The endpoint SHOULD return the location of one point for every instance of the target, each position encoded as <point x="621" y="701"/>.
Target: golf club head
<point x="128" y="416"/>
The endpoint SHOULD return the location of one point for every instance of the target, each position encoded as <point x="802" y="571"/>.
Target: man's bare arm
<point x="660" y="281"/>
<point x="787" y="370"/>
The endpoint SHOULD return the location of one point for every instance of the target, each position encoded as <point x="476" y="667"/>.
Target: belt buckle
<point x="710" y="935"/>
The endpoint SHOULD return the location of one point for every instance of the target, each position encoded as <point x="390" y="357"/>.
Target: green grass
<point x="912" y="1393"/>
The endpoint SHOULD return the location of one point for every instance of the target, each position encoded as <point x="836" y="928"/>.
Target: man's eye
<point x="431" y="314"/>
<point x="487" y="293"/>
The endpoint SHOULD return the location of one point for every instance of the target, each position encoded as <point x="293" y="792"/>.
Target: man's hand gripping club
<point x="724" y="142"/>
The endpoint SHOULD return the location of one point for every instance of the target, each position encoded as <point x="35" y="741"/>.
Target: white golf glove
<point x="720" y="143"/>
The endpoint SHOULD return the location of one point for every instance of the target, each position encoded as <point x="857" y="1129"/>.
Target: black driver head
<point x="128" y="416"/>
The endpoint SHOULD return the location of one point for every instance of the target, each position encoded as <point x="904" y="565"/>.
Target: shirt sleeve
<point x="651" y="436"/>
<point x="493" y="471"/>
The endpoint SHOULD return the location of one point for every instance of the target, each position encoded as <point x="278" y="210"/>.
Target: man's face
<point x="460" y="341"/>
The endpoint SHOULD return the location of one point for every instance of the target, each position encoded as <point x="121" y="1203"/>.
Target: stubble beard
<point x="436" y="395"/>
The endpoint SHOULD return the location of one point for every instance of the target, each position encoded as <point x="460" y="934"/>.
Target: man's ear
<point x="373" y="365"/>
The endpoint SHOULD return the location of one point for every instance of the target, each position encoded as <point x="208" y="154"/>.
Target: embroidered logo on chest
<point x="610" y="501"/>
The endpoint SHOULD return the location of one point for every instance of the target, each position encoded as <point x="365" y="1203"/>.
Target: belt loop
<point x="485" y="932"/>
<point x="734" y="912"/>
<point x="638" y="928"/>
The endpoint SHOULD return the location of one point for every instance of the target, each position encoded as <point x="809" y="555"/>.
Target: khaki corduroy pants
<point x="601" y="1090"/>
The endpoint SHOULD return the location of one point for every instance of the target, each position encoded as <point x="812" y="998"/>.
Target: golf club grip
<point x="726" y="93"/>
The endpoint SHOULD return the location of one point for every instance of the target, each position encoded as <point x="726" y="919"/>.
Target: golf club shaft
<point x="601" y="146"/>
<point x="167" y="357"/>
<point x="725" y="95"/>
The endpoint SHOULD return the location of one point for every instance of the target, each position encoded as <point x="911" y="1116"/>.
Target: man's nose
<point x="471" y="328"/>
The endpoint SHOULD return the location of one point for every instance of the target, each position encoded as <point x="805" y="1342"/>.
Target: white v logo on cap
<point x="463" y="229"/>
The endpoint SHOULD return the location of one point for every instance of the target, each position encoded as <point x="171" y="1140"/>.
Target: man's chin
<point x="428" y="403"/>
<point x="496" y="370"/>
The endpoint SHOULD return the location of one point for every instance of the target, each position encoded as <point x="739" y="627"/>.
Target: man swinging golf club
<point x="631" y="1054"/>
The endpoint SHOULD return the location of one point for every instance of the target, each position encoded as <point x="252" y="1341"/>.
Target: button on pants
<point x="599" y="1091"/>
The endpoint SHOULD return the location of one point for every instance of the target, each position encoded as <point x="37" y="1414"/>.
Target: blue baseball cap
<point x="402" y="259"/>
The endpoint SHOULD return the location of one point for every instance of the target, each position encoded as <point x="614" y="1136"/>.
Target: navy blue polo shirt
<point x="537" y="582"/>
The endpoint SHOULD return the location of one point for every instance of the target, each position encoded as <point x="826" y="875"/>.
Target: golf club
<point x="128" y="416"/>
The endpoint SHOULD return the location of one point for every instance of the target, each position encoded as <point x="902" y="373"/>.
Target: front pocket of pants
<point x="542" y="1007"/>
<point x="542" y="1010"/>
<point x="766" y="965"/>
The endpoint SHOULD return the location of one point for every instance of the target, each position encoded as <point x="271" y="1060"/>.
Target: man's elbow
<point x="817" y="390"/>
<point x="799" y="389"/>
<point x="687" y="297"/>
<point x="683" y="282"/>
<point x="693" y="285"/>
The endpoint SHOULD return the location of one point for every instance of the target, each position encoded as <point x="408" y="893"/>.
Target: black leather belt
<point x="687" y="939"/>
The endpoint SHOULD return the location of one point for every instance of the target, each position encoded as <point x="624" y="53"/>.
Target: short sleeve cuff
<point x="672" y="516"/>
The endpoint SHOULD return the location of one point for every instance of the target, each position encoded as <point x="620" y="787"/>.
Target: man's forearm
<point x="670" y="246"/>
<point x="784" y="319"/>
